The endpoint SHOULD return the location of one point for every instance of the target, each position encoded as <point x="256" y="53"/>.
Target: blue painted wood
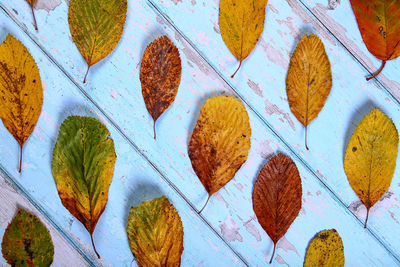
<point x="114" y="85"/>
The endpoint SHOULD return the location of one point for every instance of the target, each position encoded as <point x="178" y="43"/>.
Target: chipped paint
<point x="271" y="109"/>
<point x="48" y="5"/>
<point x="230" y="230"/>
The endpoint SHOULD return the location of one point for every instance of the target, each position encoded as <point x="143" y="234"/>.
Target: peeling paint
<point x="255" y="87"/>
<point x="271" y="109"/>
<point x="333" y="4"/>
<point x="48" y="5"/>
<point x="252" y="229"/>
<point x="230" y="230"/>
<point x="286" y="245"/>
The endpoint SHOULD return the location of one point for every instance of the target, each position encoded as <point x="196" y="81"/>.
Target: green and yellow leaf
<point x="325" y="250"/>
<point x="83" y="167"/>
<point x="27" y="242"/>
<point x="96" y="27"/>
<point x="155" y="233"/>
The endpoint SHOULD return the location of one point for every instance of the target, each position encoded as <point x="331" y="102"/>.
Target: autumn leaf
<point x="325" y="250"/>
<point x="83" y="167"/>
<point x="370" y="158"/>
<point x="31" y="4"/>
<point x="309" y="80"/>
<point x="220" y="142"/>
<point x="27" y="242"/>
<point x="277" y="197"/>
<point x="155" y="233"/>
<point x="96" y="27"/>
<point x="21" y="92"/>
<point x="241" y="24"/>
<point x="378" y="21"/>
<point x="160" y="75"/>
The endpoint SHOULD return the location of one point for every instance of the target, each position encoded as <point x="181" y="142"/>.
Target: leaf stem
<point x="84" y="79"/>
<point x="233" y="75"/>
<point x="273" y="253"/>
<point x="94" y="247"/>
<point x="34" y="19"/>
<point x="366" y="219"/>
<point x="378" y="71"/>
<point x="20" y="159"/>
<point x="154" y="129"/>
<point x="205" y="204"/>
<point x="305" y="139"/>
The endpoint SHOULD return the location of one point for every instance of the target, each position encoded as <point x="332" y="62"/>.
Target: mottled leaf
<point x="155" y="233"/>
<point x="241" y="23"/>
<point x="96" y="27"/>
<point x="370" y="158"/>
<point x="379" y="24"/>
<point x="21" y="92"/>
<point x="309" y="80"/>
<point x="83" y="167"/>
<point x="220" y="142"/>
<point x="27" y="242"/>
<point x="160" y="75"/>
<point x="325" y="250"/>
<point x="277" y="196"/>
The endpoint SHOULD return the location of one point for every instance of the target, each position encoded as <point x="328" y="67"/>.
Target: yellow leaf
<point x="220" y="142"/>
<point x="241" y="23"/>
<point x="370" y="158"/>
<point x="96" y="27"/>
<point x="325" y="250"/>
<point x="155" y="233"/>
<point x="21" y="92"/>
<point x="309" y="80"/>
<point x="83" y="167"/>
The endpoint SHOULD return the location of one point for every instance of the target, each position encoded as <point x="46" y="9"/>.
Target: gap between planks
<point x="122" y="133"/>
<point x="291" y="150"/>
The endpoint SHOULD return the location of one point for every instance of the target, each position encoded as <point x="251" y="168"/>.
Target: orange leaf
<point x="379" y="24"/>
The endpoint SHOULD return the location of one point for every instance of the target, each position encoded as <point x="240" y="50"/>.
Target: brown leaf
<point x="21" y="92"/>
<point x="160" y="75"/>
<point x="277" y="196"/>
<point x="220" y="142"/>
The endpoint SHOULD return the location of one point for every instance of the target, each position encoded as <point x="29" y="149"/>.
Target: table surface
<point x="227" y="232"/>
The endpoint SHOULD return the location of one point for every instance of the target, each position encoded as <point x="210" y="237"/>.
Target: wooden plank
<point x="340" y="20"/>
<point x="230" y="210"/>
<point x="134" y="179"/>
<point x="10" y="200"/>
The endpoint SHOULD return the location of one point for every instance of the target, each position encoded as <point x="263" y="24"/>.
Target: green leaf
<point x="155" y="233"/>
<point x="27" y="242"/>
<point x="83" y="167"/>
<point x="96" y="27"/>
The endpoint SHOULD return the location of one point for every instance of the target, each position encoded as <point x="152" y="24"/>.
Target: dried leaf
<point x="27" y="242"/>
<point x="220" y="142"/>
<point x="21" y="92"/>
<point x="83" y="167"/>
<point x="277" y="196"/>
<point x="155" y="233"/>
<point x="96" y="27"/>
<point x="378" y="21"/>
<point x="31" y="4"/>
<point x="370" y="157"/>
<point x="325" y="250"/>
<point x="309" y="80"/>
<point x="241" y="24"/>
<point x="160" y="75"/>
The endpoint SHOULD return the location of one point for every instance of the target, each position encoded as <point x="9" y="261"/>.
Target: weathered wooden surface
<point x="146" y="168"/>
